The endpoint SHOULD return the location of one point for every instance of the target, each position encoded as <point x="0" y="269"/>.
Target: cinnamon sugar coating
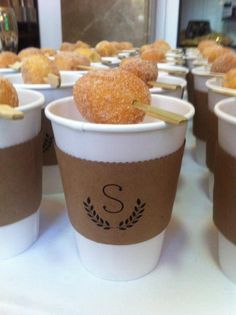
<point x="144" y="69"/>
<point x="8" y="94"/>
<point x="107" y="96"/>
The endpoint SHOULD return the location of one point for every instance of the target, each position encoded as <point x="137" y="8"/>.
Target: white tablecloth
<point x="49" y="279"/>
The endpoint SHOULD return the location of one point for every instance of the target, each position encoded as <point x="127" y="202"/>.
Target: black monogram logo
<point x="47" y="143"/>
<point x="125" y="224"/>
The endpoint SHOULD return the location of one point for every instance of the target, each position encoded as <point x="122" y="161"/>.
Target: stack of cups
<point x="119" y="217"/>
<point x="224" y="201"/>
<point x="21" y="176"/>
<point x="200" y="75"/>
<point x="51" y="175"/>
<point x="216" y="93"/>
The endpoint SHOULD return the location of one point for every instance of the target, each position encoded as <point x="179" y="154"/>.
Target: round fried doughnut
<point x="144" y="47"/>
<point x="224" y="63"/>
<point x="7" y="58"/>
<point x="206" y="43"/>
<point x="107" y="96"/>
<point x="49" y="52"/>
<point x="8" y="94"/>
<point x="144" y="69"/>
<point x="65" y="46"/>
<point x="70" y="61"/>
<point x="153" y="54"/>
<point x="105" y="49"/>
<point x="26" y="52"/>
<point x="90" y="53"/>
<point x="213" y="52"/>
<point x="35" y="69"/>
<point x="161" y="44"/>
<point x="81" y="44"/>
<point x="125" y="45"/>
<point x="230" y="79"/>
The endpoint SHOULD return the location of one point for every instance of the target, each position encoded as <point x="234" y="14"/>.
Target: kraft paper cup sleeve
<point x="128" y="203"/>
<point x="21" y="180"/>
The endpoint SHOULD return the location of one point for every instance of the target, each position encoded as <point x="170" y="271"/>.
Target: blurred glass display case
<point x="207" y="19"/>
<point x="120" y="20"/>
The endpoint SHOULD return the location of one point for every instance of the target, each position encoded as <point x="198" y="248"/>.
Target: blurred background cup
<point x="216" y="93"/>
<point x="80" y="140"/>
<point x="51" y="175"/>
<point x="225" y="186"/>
<point x="17" y="236"/>
<point x="200" y="76"/>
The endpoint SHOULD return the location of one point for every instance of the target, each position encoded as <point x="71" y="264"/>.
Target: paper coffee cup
<point x="216" y="93"/>
<point x="177" y="71"/>
<point x="225" y="201"/>
<point x="200" y="76"/>
<point x="181" y="85"/>
<point x="114" y="146"/>
<point x="51" y="176"/>
<point x="17" y="236"/>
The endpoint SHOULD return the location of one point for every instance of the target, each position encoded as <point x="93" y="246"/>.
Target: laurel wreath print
<point x="47" y="143"/>
<point x="134" y="217"/>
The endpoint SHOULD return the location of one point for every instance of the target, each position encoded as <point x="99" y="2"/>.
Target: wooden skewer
<point x="53" y="80"/>
<point x="10" y="113"/>
<point x="173" y="72"/>
<point x="161" y="114"/>
<point x="16" y="66"/>
<point x="162" y="85"/>
<point x="88" y="68"/>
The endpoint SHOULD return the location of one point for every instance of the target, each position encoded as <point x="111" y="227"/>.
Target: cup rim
<point x="219" y="89"/>
<point x="39" y="87"/>
<point x="201" y="72"/>
<point x="108" y="128"/>
<point x="165" y="66"/>
<point x="222" y="114"/>
<point x="37" y="103"/>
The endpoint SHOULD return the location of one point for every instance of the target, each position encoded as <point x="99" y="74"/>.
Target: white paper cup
<point x="226" y="112"/>
<point x="216" y="93"/>
<point x="51" y="176"/>
<point x="166" y="68"/>
<point x="95" y="142"/>
<point x="181" y="83"/>
<point x="18" y="236"/>
<point x="200" y="76"/>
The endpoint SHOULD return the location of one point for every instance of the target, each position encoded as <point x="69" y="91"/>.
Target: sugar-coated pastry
<point x="153" y="54"/>
<point x="26" y="52"/>
<point x="35" y="69"/>
<point x="90" y="53"/>
<point x="8" y="58"/>
<point x="144" y="69"/>
<point x="224" y="63"/>
<point x="49" y="52"/>
<point x="161" y="44"/>
<point x="107" y="96"/>
<point x="70" y="61"/>
<point x="213" y="52"/>
<point x="105" y="48"/>
<point x="205" y="43"/>
<point x="65" y="46"/>
<point x="81" y="44"/>
<point x="230" y="79"/>
<point x="8" y="94"/>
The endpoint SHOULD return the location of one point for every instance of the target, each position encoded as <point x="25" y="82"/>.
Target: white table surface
<point x="49" y="279"/>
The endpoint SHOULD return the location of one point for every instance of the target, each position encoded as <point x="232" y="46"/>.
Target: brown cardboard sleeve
<point x="224" y="200"/>
<point x="20" y="181"/>
<point x="200" y="117"/>
<point x="49" y="153"/>
<point x="212" y="139"/>
<point x="120" y="203"/>
<point x="190" y="88"/>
